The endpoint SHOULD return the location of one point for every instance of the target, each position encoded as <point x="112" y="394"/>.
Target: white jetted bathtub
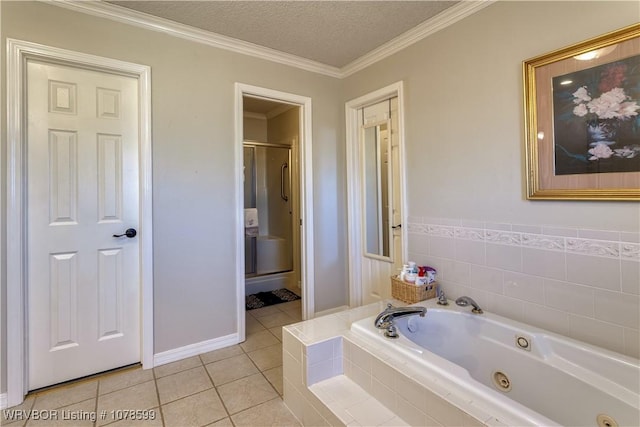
<point x="526" y="373"/>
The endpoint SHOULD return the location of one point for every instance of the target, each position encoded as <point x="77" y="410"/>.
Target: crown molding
<point x="143" y="20"/>
<point x="442" y="20"/>
<point x="154" y="23"/>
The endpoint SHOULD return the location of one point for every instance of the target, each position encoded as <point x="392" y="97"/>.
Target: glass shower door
<point x="268" y="192"/>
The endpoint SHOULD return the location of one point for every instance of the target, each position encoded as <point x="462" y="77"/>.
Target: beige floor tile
<point x="227" y="370"/>
<point x="268" y="357"/>
<point x="124" y="379"/>
<point x="277" y="332"/>
<point x="14" y="416"/>
<point x="174" y="367"/>
<point x="252" y="325"/>
<point x="225" y="422"/>
<point x="147" y="418"/>
<point x="291" y="305"/>
<point x="183" y="384"/>
<point x="82" y="414"/>
<point x="196" y="410"/>
<point x="141" y="396"/>
<point x="274" y="376"/>
<point x="296" y="315"/>
<point x="271" y="413"/>
<point x="264" y="311"/>
<point x="277" y="319"/>
<point x="246" y="392"/>
<point x="259" y="340"/>
<point x="66" y="395"/>
<point x="223" y="353"/>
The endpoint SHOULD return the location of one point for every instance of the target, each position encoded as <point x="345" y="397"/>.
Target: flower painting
<point x="596" y="116"/>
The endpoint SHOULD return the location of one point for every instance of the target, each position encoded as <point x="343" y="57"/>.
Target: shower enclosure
<point x="268" y="215"/>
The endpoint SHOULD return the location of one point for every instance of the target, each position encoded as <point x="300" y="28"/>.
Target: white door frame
<point x="354" y="215"/>
<point x="306" y="198"/>
<point x="18" y="52"/>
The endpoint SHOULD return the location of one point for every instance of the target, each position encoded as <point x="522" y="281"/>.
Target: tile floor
<point x="234" y="386"/>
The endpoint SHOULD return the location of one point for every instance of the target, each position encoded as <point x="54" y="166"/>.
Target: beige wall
<point x="283" y="127"/>
<point x="255" y="129"/>
<point x="464" y="121"/>
<point x="193" y="164"/>
<point x="463" y="139"/>
<point x="465" y="161"/>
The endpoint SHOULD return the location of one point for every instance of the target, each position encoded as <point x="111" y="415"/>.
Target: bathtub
<point x="523" y="374"/>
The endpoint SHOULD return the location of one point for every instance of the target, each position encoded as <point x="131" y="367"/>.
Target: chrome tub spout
<point x="386" y="318"/>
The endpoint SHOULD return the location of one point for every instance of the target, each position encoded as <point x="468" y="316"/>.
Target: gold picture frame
<point x="582" y="120"/>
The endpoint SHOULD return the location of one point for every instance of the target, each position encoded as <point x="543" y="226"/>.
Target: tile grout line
<point x="95" y="407"/>
<point x="226" y="410"/>
<point x="155" y="383"/>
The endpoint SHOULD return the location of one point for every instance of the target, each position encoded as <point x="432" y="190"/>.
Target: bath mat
<point x="264" y="299"/>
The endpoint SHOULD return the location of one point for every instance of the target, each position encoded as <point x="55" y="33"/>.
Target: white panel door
<point x="376" y="271"/>
<point x="82" y="163"/>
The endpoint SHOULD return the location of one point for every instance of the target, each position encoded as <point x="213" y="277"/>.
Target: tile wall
<point x="584" y="284"/>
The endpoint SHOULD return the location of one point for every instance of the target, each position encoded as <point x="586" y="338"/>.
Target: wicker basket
<point x="410" y="293"/>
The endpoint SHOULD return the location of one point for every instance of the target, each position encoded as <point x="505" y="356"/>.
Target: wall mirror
<point x="376" y="186"/>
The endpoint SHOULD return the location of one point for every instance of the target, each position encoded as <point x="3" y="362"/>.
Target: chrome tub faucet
<point x="465" y="301"/>
<point x="386" y="318"/>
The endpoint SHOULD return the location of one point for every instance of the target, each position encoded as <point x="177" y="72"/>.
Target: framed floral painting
<point x="582" y="120"/>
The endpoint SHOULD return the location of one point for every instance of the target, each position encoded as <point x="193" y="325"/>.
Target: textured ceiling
<point x="331" y="32"/>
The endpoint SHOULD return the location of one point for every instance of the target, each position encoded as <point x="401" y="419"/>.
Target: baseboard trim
<point x="331" y="311"/>
<point x="194" y="349"/>
<point x="3" y="401"/>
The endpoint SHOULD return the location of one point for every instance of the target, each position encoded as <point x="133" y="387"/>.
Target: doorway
<point x="81" y="123"/>
<point x="274" y="196"/>
<point x="376" y="192"/>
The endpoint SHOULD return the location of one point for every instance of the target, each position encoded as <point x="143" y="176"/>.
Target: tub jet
<point x="501" y="381"/>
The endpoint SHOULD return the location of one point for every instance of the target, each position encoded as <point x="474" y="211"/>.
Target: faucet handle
<point x="442" y="300"/>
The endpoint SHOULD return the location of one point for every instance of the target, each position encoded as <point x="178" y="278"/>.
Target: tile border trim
<point x="572" y="245"/>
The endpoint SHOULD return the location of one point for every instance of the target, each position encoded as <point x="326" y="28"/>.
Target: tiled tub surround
<point x="332" y="377"/>
<point x="584" y="284"/>
<point x="335" y="377"/>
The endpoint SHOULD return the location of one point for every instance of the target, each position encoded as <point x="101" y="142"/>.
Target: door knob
<point x="395" y="227"/>
<point x="130" y="233"/>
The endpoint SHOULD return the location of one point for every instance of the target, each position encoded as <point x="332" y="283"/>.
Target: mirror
<point x="376" y="149"/>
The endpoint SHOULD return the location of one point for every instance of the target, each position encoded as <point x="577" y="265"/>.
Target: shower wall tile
<point x="505" y="257"/>
<point x="547" y="318"/>
<point x="618" y="308"/>
<point x="546" y="263"/>
<point x="524" y="287"/>
<point x="599" y="235"/>
<point x="630" y="237"/>
<point x="580" y="283"/>
<point x="576" y="299"/>
<point x="599" y="272"/>
<point x="417" y="243"/>
<point x="470" y="251"/>
<point x="487" y="279"/>
<point x="630" y="277"/>
<point x="512" y="308"/>
<point x="596" y="332"/>
<point x="631" y="342"/>
<point x="533" y="229"/>
<point x="559" y="231"/>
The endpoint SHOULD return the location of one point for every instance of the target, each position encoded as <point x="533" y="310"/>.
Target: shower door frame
<point x="255" y="144"/>
<point x="305" y="197"/>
